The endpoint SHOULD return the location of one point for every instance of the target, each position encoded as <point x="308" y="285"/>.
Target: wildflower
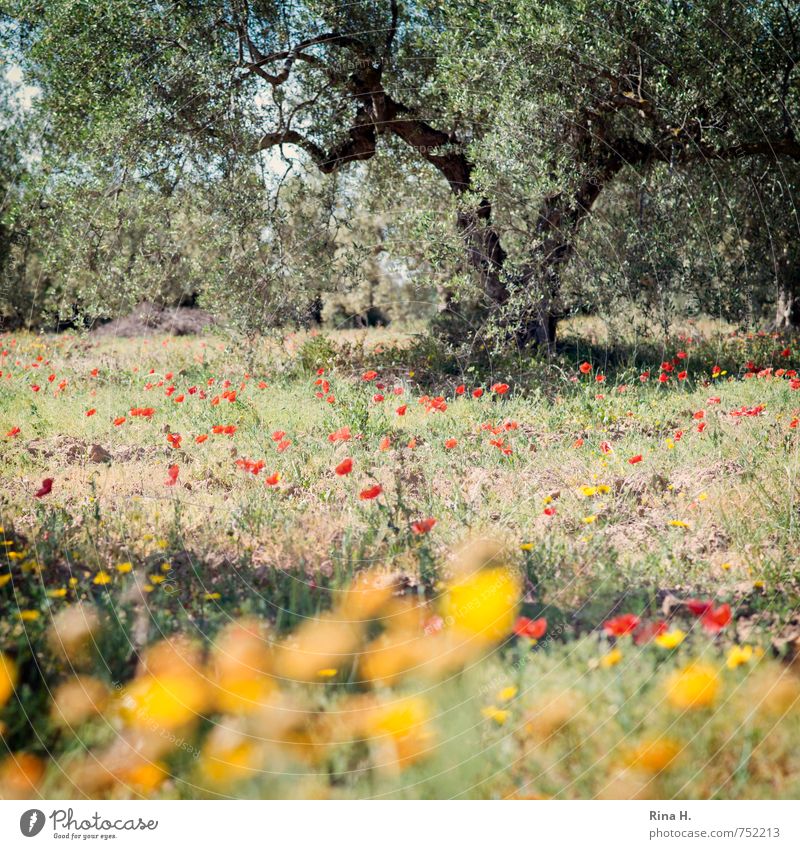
<point x="738" y="656"/>
<point x="45" y="489"/>
<point x="677" y="523"/>
<point x="369" y="375"/>
<point x="272" y="480"/>
<point x="8" y="678"/>
<point x="584" y="368"/>
<point x="345" y="467"/>
<point x="484" y="605"/>
<point x="385" y="444"/>
<point x="714" y="620"/>
<point x="507" y="693"/>
<point x="476" y="393"/>
<point x="500" y="388"/>
<point x="693" y="688"/>
<point x="635" y="459"/>
<point x="172" y="476"/>
<point x="201" y="438"/>
<point x="450" y="443"/>
<point x="496" y="714"/>
<point x="610" y="659"/>
<point x="13" y="432"/>
<point x="671" y="639"/>
<point x="654" y="755"/>
<point x="401" y="410"/>
<point x="621" y="625"/>
<point x="101" y="579"/>
<point x="371" y="492"/>
<point x="124" y="568"/>
<point x="423" y="526"/>
<point x="605" y="447"/>
<point x="532" y="629"/>
<point x="341" y="435"/>
<point x="119" y="420"/>
<point x="91" y="412"/>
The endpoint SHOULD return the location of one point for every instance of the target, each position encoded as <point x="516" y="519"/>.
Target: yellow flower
<point x="693" y="688"/>
<point x="588" y="520"/>
<point x="484" y="604"/>
<point x="8" y="677"/>
<point x="162" y="544"/>
<point x="4" y="579"/>
<point x="677" y="523"/>
<point x="589" y="491"/>
<point x="327" y="673"/>
<point x="654" y="755"/>
<point x="157" y="579"/>
<point x="494" y="713"/>
<point x="672" y="639"/>
<point x="527" y="546"/>
<point x="60" y="592"/>
<point x="212" y="596"/>
<point x="29" y="615"/>
<point x="507" y="693"/>
<point x="124" y="568"/>
<point x="739" y="655"/>
<point x="611" y="659"/>
<point x="101" y="579"/>
<point x="404" y="723"/>
<point x="165" y="567"/>
<point x="163" y="701"/>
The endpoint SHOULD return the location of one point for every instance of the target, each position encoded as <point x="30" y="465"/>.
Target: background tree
<point x="529" y="111"/>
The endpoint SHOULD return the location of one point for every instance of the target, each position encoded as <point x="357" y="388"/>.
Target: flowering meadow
<point x="334" y="568"/>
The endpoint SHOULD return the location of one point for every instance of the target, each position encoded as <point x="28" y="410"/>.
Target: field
<point x="328" y="567"/>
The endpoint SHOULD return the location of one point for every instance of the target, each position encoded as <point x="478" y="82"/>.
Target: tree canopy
<point x="583" y="150"/>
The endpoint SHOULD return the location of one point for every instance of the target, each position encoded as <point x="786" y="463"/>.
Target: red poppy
<point x="174" y="439"/>
<point x="577" y="443"/>
<point x="600" y="378"/>
<point x="273" y="479"/>
<point x="401" y="410"/>
<point x="450" y="443"/>
<point x="278" y="435"/>
<point x="423" y="526"/>
<point x="698" y="606"/>
<point x="345" y="467"/>
<point x="549" y="511"/>
<point x="461" y="389"/>
<point x="531" y="629"/>
<point x="201" y="439"/>
<point x="13" y="432"/>
<point x="714" y="620"/>
<point x="172" y="476"/>
<point x="476" y="393"/>
<point x="385" y="444"/>
<point x="584" y="368"/>
<point x="91" y="412"/>
<point x="369" y="375"/>
<point x="605" y="447"/>
<point x="621" y="625"/>
<point x="341" y="435"/>
<point x="500" y="388"/>
<point x="119" y="420"/>
<point x="371" y="492"/>
<point x="283" y="445"/>
<point x="635" y="459"/>
<point x="45" y="489"/>
<point x="682" y="375"/>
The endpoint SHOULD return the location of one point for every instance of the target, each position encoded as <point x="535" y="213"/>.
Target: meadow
<point x="334" y="566"/>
